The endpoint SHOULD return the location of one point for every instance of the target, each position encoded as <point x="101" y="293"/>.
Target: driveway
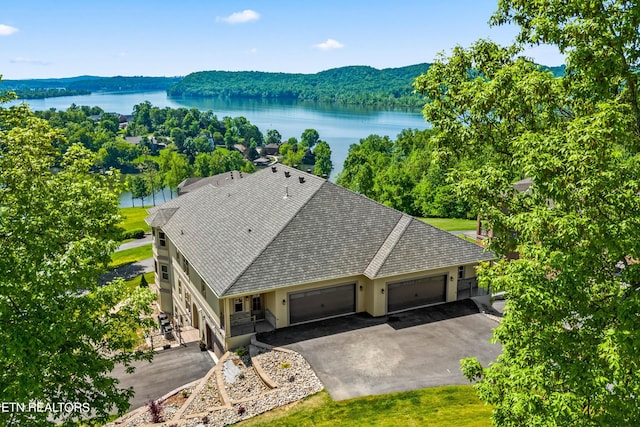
<point x="169" y="370"/>
<point x="359" y="355"/>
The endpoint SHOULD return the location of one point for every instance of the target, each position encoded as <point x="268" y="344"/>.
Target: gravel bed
<point x="246" y="384"/>
<point x="285" y="368"/>
<point x="280" y="366"/>
<point x="207" y="398"/>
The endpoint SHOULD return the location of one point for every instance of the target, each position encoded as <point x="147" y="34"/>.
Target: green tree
<point x="201" y="165"/>
<point x="61" y="333"/>
<point x="569" y="335"/>
<point x="139" y="186"/>
<point x="273" y="137"/>
<point x="175" y="169"/>
<point x="310" y="137"/>
<point x="178" y="137"/>
<point x="322" y="153"/>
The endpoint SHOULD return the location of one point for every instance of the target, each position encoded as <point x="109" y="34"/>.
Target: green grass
<point x="133" y="219"/>
<point x="451" y="224"/>
<point x="440" y="406"/>
<point x="135" y="282"/>
<point x="130" y="255"/>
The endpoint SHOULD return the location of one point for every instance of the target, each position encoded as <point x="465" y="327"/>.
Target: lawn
<point x="451" y="224"/>
<point x="133" y="219"/>
<point x="135" y="282"/>
<point x="440" y="406"/>
<point x="128" y="256"/>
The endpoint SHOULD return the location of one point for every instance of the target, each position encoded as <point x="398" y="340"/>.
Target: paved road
<point x="146" y="240"/>
<point x="169" y="370"/>
<point x="129" y="271"/>
<point x="359" y="356"/>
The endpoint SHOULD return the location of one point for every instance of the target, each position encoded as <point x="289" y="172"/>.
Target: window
<point x="461" y="272"/>
<point x="203" y="289"/>
<point x="179" y="287"/>
<point x="187" y="300"/>
<point x="165" y="272"/>
<point x="237" y="304"/>
<point x="185" y="265"/>
<point x="162" y="238"/>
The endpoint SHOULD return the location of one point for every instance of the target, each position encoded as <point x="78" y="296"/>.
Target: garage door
<point x="416" y="293"/>
<point x="320" y="303"/>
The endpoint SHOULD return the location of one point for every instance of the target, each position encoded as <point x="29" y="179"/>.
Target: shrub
<point x="143" y="281"/>
<point x="155" y="411"/>
<point x="241" y="351"/>
<point x="133" y="234"/>
<point x="285" y="365"/>
<point x="241" y="410"/>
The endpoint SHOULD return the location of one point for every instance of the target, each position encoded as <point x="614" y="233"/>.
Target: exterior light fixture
<point x="284" y="302"/>
<point x="382" y="291"/>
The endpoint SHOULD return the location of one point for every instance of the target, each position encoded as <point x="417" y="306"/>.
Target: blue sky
<point x="66" y="38"/>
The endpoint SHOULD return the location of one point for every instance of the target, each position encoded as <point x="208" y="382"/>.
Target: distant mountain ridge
<point x="357" y="84"/>
<point x="93" y="83"/>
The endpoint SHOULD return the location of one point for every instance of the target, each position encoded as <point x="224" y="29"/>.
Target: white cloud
<point x="7" y="30"/>
<point x="25" y="60"/>
<point x="252" y="51"/>
<point x="241" y="17"/>
<point x="328" y="45"/>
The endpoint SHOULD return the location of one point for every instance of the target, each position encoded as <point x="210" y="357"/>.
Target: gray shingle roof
<point x="247" y="237"/>
<point x="191" y="184"/>
<point x="392" y="239"/>
<point x="424" y="247"/>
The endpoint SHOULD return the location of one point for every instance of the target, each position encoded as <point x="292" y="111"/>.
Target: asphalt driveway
<point x="169" y="370"/>
<point x="359" y="355"/>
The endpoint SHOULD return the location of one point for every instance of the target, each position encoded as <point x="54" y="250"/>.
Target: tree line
<point x="48" y="93"/>
<point x="358" y="85"/>
<point x="408" y="174"/>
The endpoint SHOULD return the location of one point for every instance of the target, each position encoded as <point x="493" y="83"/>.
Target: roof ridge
<point x="387" y="246"/>
<point x="275" y="236"/>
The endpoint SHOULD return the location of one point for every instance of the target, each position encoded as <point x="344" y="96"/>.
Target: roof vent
<point x="286" y="192"/>
<point x="287" y="174"/>
<point x="301" y="179"/>
<point x="274" y="169"/>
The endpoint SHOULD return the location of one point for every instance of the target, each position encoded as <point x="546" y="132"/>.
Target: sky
<point x="67" y="38"/>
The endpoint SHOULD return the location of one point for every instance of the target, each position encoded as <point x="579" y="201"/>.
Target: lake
<point x="339" y="125"/>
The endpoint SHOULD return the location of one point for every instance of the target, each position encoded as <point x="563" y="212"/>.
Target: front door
<point x="195" y="321"/>
<point x="257" y="307"/>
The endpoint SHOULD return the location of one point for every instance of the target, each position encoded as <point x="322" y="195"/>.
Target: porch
<point x="243" y="323"/>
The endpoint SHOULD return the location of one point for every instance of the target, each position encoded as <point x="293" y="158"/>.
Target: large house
<point x="282" y="247"/>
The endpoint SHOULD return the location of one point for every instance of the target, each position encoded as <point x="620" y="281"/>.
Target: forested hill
<point x="346" y="85"/>
<point x="92" y="84"/>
